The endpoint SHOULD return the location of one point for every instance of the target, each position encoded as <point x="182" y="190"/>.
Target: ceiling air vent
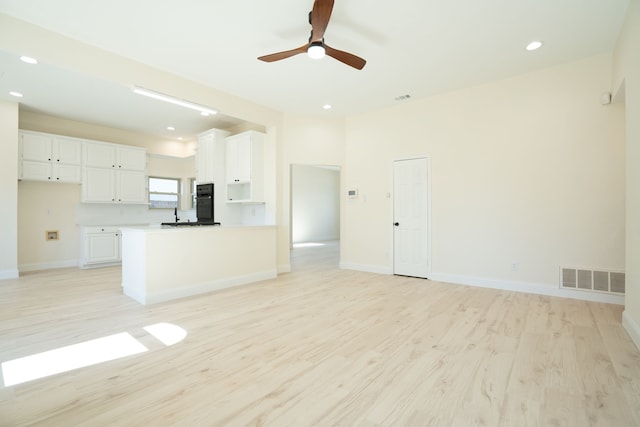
<point x="402" y="97"/>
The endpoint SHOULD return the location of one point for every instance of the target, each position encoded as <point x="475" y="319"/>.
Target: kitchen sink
<point x="188" y="224"/>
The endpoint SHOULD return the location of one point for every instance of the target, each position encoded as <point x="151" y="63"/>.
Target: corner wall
<point x="627" y="77"/>
<point x="8" y="190"/>
<point x="527" y="171"/>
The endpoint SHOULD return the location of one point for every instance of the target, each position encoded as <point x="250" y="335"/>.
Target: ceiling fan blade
<point x="320" y="18"/>
<point x="283" y="55"/>
<point x="345" y="57"/>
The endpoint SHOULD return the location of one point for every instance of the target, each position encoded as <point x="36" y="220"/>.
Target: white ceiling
<point x="412" y="47"/>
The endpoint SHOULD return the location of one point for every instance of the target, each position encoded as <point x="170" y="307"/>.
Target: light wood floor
<point x="322" y="346"/>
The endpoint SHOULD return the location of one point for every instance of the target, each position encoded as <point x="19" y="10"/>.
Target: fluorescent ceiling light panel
<point x="16" y="94"/>
<point x="172" y="100"/>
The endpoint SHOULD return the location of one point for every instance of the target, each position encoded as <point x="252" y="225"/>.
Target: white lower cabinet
<point x="100" y="245"/>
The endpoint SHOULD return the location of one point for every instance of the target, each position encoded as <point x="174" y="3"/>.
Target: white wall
<point x="315" y="200"/>
<point x="528" y="170"/>
<point x="8" y="190"/>
<point x="627" y="80"/>
<point x="304" y="140"/>
<point x="44" y="206"/>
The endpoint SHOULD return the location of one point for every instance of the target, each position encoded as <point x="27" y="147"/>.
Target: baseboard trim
<point x="9" y="274"/>
<point x="528" y="287"/>
<point x="284" y="268"/>
<point x="368" y="268"/>
<point x="632" y="328"/>
<point x="201" y="288"/>
<point x="48" y="265"/>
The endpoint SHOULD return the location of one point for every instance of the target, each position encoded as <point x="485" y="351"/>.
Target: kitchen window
<point x="164" y="193"/>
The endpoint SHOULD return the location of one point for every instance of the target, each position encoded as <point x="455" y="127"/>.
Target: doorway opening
<point x="315" y="215"/>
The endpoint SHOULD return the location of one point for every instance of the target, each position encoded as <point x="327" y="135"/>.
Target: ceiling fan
<point x="316" y="48"/>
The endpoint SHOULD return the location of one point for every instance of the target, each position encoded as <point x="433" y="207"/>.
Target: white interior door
<point x="411" y="217"/>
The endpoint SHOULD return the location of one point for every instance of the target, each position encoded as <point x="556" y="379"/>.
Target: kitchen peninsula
<point x="165" y="263"/>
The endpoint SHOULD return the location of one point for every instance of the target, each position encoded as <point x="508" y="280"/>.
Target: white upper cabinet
<point x="114" y="174"/>
<point x="45" y="157"/>
<point x="104" y="155"/>
<point x="245" y="167"/>
<point x="210" y="145"/>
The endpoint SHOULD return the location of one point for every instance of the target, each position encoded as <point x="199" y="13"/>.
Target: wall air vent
<point x="585" y="279"/>
<point x="402" y="97"/>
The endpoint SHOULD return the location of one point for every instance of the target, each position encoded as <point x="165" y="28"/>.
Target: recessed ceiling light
<point x="16" y="94"/>
<point x="28" y="60"/>
<point x="534" y="45"/>
<point x="170" y="128"/>
<point x="327" y="106"/>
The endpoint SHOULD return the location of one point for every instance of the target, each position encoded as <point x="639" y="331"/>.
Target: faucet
<point x="175" y="213"/>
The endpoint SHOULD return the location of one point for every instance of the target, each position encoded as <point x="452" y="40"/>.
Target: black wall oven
<point x="205" y="203"/>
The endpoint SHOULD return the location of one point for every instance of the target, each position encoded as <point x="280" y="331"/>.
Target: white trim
<point x="528" y="287"/>
<point x="632" y="328"/>
<point x="201" y="288"/>
<point x="284" y="268"/>
<point x="377" y="269"/>
<point x="9" y="274"/>
<point x="48" y="265"/>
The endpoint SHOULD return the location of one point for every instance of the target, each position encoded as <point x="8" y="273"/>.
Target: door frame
<point x="427" y="157"/>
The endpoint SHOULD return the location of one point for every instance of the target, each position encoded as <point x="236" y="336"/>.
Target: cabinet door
<point x="67" y="173"/>
<point x="239" y="159"/>
<point x="99" y="155"/>
<point x="67" y="150"/>
<point x="132" y="187"/>
<point x="98" y="185"/>
<point x="102" y="247"/>
<point x="205" y="158"/>
<point x="131" y="159"/>
<point x="34" y="146"/>
<point x="36" y="171"/>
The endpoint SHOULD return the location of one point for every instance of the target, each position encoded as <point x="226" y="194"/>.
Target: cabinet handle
<point x="58" y="178"/>
<point x="58" y="160"/>
<point x="102" y="229"/>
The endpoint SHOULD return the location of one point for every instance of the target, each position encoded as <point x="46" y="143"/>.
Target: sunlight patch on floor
<point x="166" y="333"/>
<point x="71" y="357"/>
<point x="307" y="245"/>
<point x="86" y="353"/>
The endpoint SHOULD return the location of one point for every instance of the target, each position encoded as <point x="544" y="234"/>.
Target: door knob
<point x="396" y="224"/>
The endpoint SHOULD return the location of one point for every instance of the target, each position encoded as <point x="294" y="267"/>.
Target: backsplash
<point x="107" y="214"/>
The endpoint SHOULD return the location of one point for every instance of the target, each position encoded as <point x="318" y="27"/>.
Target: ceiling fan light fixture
<point x="316" y="50"/>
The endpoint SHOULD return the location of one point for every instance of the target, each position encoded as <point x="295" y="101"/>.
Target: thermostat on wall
<point x="352" y="194"/>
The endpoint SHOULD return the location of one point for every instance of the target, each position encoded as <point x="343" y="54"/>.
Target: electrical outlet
<point x="514" y="266"/>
